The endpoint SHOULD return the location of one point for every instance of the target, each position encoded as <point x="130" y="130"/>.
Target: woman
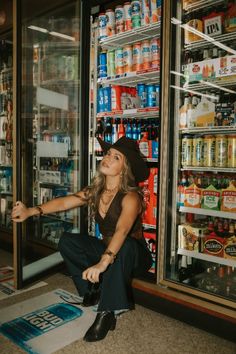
<point x="102" y="270"/>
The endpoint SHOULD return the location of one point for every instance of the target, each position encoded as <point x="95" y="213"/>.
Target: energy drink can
<point x="119" y="61"/>
<point x="221" y="158"/>
<point x="119" y="19"/>
<point x="127" y="16"/>
<point x="102" y="67"/>
<point x="186" y="150"/>
<point x="136" y="14"/>
<point x="102" y="26"/>
<point x="127" y="59"/>
<point x="107" y="98"/>
<point x="146" y="54"/>
<point x="145" y="11"/>
<point x="197" y="159"/>
<point x="232" y="151"/>
<point x="155" y="53"/>
<point x="151" y="96"/>
<point x="100" y="100"/>
<point x="153" y="10"/>
<point x="116" y="92"/>
<point x="110" y="15"/>
<point x="141" y="92"/>
<point x="111" y="68"/>
<point x="209" y="145"/>
<point x="137" y="57"/>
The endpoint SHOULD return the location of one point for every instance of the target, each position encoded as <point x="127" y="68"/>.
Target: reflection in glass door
<point x="49" y="126"/>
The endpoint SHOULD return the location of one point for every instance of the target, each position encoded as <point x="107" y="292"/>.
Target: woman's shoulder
<point x="131" y="196"/>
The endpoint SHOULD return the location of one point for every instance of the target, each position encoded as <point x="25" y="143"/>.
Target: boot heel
<point x="113" y="325"/>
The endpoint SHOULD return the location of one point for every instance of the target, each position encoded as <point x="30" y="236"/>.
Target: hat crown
<point x="126" y="143"/>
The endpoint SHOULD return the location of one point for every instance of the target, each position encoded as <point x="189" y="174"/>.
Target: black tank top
<point x="107" y="225"/>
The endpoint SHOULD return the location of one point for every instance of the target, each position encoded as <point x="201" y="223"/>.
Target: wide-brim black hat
<point x="130" y="149"/>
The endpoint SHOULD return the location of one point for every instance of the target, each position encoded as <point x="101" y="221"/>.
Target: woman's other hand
<point x="20" y="212"/>
<point x="92" y="273"/>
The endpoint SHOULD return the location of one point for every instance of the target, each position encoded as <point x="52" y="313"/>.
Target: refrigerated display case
<point x="199" y="252"/>
<point x="49" y="126"/>
<point x="6" y="124"/>
<point x="126" y="70"/>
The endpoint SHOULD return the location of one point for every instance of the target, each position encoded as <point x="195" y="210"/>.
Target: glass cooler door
<point x="50" y="133"/>
<point x="200" y="249"/>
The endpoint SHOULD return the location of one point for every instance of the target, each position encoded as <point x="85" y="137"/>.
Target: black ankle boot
<point x="104" y="322"/>
<point x="91" y="298"/>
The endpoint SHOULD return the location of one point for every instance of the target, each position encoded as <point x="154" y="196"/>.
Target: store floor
<point x="139" y="331"/>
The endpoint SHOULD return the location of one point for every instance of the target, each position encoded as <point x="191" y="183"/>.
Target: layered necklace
<point x="106" y="198"/>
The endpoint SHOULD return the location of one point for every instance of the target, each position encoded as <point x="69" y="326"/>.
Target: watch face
<point x="3" y="17"/>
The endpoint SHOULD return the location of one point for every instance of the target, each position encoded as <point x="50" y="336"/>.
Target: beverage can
<point x="119" y="61"/>
<point x="107" y="98"/>
<point x="232" y="151"/>
<point x="102" y="26"/>
<point x="146" y="54"/>
<point x="102" y="67"/>
<point x="127" y="16"/>
<point x="111" y="68"/>
<point x="136" y="14"/>
<point x="153" y="11"/>
<point x="110" y="15"/>
<point x="158" y="94"/>
<point x="197" y="158"/>
<point x="221" y="154"/>
<point x="141" y="92"/>
<point x="119" y="19"/>
<point x="151" y="95"/>
<point x="145" y="11"/>
<point x="127" y="59"/>
<point x="209" y="145"/>
<point x="186" y="150"/>
<point x="155" y="53"/>
<point x="137" y="57"/>
<point x="159" y="10"/>
<point x="100" y="100"/>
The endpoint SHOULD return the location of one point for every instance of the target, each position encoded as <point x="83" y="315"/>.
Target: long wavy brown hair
<point x="98" y="184"/>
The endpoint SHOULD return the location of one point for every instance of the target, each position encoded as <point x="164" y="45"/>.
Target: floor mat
<point x="46" y="323"/>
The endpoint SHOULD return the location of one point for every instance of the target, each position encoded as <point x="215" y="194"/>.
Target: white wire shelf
<point x="210" y="169"/>
<point x="209" y="130"/>
<point x="221" y="83"/>
<point x="200" y="211"/>
<point x="151" y="76"/>
<point x="222" y="38"/>
<point x="132" y="113"/>
<point x="202" y="4"/>
<point x="207" y="257"/>
<point x="132" y="36"/>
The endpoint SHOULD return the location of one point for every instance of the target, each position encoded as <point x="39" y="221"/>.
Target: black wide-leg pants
<point x="82" y="251"/>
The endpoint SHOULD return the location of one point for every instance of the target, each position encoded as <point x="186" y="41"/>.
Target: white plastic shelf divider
<point x="201" y="211"/>
<point x="209" y="169"/>
<point x="132" y="78"/>
<point x="222" y="38"/>
<point x="132" y="113"/>
<point x="207" y="257"/>
<point x="210" y="130"/>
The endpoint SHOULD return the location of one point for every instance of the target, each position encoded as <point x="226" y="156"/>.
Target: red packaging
<point x="213" y="245"/>
<point x="116" y="92"/>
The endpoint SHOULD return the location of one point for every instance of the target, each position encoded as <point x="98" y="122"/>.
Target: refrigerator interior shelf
<point x="57" y="218"/>
<point x="6" y="70"/>
<point x="202" y="4"/>
<point x="58" y="82"/>
<point x="209" y="169"/>
<point x="152" y="76"/>
<point x="200" y="211"/>
<point x="132" y="113"/>
<point x="213" y="41"/>
<point x="5" y="166"/>
<point x="220" y="84"/>
<point x="207" y="257"/>
<point x="132" y="36"/>
<point x="209" y="130"/>
<point x="6" y="192"/>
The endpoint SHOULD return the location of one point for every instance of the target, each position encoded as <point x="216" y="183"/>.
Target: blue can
<point x="158" y="95"/>
<point x="102" y="67"/>
<point x="100" y="100"/>
<point x="151" y="96"/>
<point x="107" y="99"/>
<point x="141" y="91"/>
